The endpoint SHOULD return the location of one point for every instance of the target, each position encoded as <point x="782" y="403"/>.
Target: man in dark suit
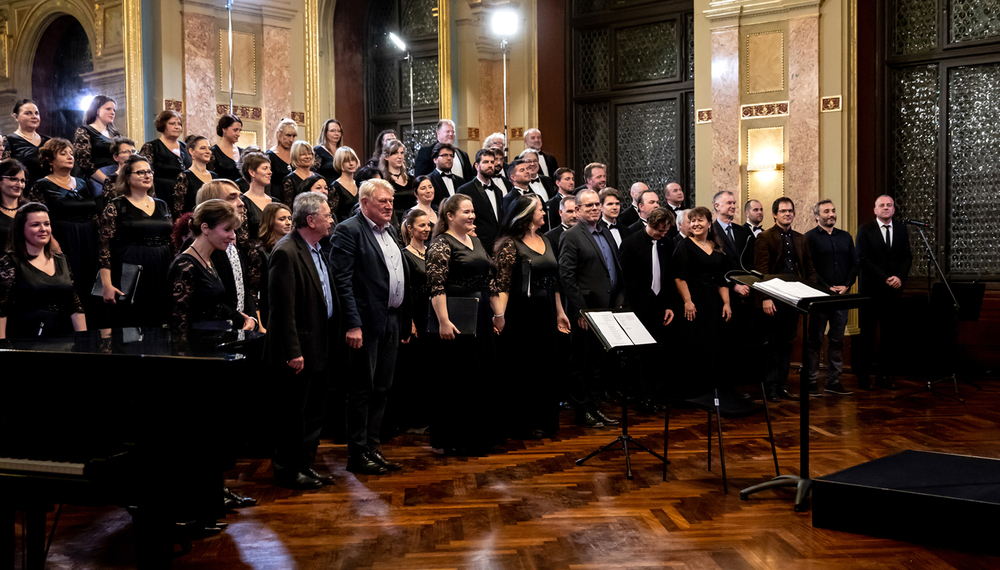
<point x="567" y="217"/>
<point x="487" y="200"/>
<point x="591" y="279"/>
<point x="651" y="294"/>
<point x="499" y="172"/>
<point x="737" y="241"/>
<point x="546" y="162"/>
<point x="303" y="324"/>
<point x="782" y="251"/>
<point x="445" y="182"/>
<point x="885" y="257"/>
<point x="753" y="213"/>
<point x="630" y="214"/>
<point x="647" y="201"/>
<point x="611" y="206"/>
<point x="370" y="276"/>
<point x="445" y="134"/>
<point x="565" y="181"/>
<point x="540" y="184"/>
<point x="518" y="174"/>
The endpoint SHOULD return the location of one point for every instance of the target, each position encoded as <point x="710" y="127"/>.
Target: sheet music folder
<point x="618" y="329"/>
<point x="804" y="304"/>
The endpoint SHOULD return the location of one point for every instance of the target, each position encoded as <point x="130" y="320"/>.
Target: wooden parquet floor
<point x="534" y="508"/>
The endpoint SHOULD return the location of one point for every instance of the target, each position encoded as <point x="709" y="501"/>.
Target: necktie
<point x="729" y="232"/>
<point x="656" y="271"/>
<point x="888" y="236"/>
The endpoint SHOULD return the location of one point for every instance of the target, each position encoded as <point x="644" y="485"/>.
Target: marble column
<point x="276" y="82"/>
<point x="200" y="32"/>
<point x="803" y="117"/>
<point x="725" y="109"/>
<point x="490" y="97"/>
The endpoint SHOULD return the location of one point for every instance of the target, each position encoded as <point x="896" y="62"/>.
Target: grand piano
<point x="128" y="417"/>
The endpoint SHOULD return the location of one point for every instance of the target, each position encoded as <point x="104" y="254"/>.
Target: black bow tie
<point x="533" y="180"/>
<point x="613" y="226"/>
<point x="448" y="175"/>
<point x="756" y="228"/>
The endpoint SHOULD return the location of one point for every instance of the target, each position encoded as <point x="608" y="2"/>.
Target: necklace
<point x="208" y="264"/>
<point x="400" y="175"/>
<point x="14" y="209"/>
<point x="419" y="253"/>
<point x="30" y="137"/>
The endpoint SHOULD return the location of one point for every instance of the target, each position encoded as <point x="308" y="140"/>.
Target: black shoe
<point x="647" y="407"/>
<point x="236" y="499"/>
<point x="741" y="394"/>
<point x="297" y="481"/>
<point x="814" y="391"/>
<point x="887" y="382"/>
<point x="784" y="394"/>
<point x="376" y="454"/>
<point x="865" y="383"/>
<point x="324" y="479"/>
<point x="772" y="396"/>
<point x="838" y="389"/>
<point x="588" y="419"/>
<point x="364" y="464"/>
<point x="605" y="419"/>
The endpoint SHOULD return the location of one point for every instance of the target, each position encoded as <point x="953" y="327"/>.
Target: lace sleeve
<point x="108" y="187"/>
<point x="255" y="264"/>
<point x="4" y="149"/>
<point x="181" y="294"/>
<point x="8" y="273"/>
<point x="107" y="224"/>
<point x="180" y="193"/>
<point x="81" y="151"/>
<point x="147" y="152"/>
<point x="288" y="191"/>
<point x="438" y="259"/>
<point x="36" y="194"/>
<point x="506" y="258"/>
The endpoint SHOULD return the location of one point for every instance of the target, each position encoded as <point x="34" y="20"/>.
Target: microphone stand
<point x="932" y="384"/>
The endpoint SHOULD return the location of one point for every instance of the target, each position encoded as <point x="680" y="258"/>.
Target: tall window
<point x="388" y="72"/>
<point x="942" y="128"/>
<point x="633" y="90"/>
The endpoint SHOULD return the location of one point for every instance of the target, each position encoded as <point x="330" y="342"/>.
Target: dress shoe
<point x="363" y="464"/>
<point x="297" y="481"/>
<point x="376" y="454"/>
<point x="772" y="396"/>
<point x="838" y="389"/>
<point x="865" y="383"/>
<point x="786" y="395"/>
<point x="605" y="419"/>
<point x="324" y="479"/>
<point x="239" y="500"/>
<point x="647" y="406"/>
<point x="814" y="391"/>
<point x="588" y="419"/>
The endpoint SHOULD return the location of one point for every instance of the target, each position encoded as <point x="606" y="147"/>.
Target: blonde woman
<point x="280" y="154"/>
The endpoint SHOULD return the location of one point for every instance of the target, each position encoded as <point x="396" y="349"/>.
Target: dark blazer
<point x="767" y="254"/>
<point x="637" y="227"/>
<point x="552" y="210"/>
<point x="586" y="282"/>
<point x="628" y="216"/>
<point x="749" y="227"/>
<point x="510" y="198"/>
<point x="554" y="235"/>
<point x="508" y="186"/>
<point x="487" y="223"/>
<point x="741" y="254"/>
<point x="440" y="189"/>
<point x="548" y="185"/>
<point x="297" y="323"/>
<point x="221" y="262"/>
<point x="623" y="229"/>
<point x="362" y="278"/>
<point x="550" y="163"/>
<point x="637" y="267"/>
<point x="878" y="263"/>
<point x="424" y="164"/>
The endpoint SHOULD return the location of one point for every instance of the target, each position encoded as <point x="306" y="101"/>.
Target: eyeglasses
<point x="143" y="173"/>
<point x="20" y="181"/>
<point x="590" y="205"/>
<point x="327" y="216"/>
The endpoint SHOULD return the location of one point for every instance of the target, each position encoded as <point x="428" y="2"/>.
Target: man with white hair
<point x="547" y="164"/>
<point x="445" y="135"/>
<point x="498" y="142"/>
<point x="542" y="185"/>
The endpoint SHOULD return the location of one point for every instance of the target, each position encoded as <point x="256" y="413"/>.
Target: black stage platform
<point x="915" y="496"/>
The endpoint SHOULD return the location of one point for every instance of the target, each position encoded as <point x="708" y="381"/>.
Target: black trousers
<point x="880" y="325"/>
<point x="782" y="328"/>
<point x="588" y="363"/>
<point x="302" y="399"/>
<point x="369" y="378"/>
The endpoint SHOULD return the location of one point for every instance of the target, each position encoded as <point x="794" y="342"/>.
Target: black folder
<point x="463" y="312"/>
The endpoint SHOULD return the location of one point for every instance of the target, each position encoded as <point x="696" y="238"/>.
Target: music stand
<point x="801" y="482"/>
<point x="611" y="339"/>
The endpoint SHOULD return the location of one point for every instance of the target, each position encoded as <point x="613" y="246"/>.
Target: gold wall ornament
<point x="764" y="110"/>
<point x="704" y="116"/>
<point x="830" y="104"/>
<point x="98" y="30"/>
<point x="444" y="59"/>
<point x="311" y="115"/>
<point x="244" y="63"/>
<point x="765" y="62"/>
<point x="132" y="26"/>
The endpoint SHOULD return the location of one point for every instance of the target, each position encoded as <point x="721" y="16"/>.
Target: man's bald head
<point x="636" y="190"/>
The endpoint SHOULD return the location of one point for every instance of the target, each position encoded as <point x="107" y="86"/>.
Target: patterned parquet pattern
<point x="534" y="508"/>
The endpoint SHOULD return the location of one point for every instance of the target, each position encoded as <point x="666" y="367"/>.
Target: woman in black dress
<point x="37" y="296"/>
<point x="13" y="177"/>
<point x="92" y="142"/>
<point x="167" y="155"/>
<point x="73" y="210"/>
<point x="25" y="141"/>
<point x="393" y="168"/>
<point x="191" y="180"/>
<point x="225" y="153"/>
<point x="302" y="161"/>
<point x="699" y="268"/>
<point x="528" y="284"/>
<point x="280" y="155"/>
<point x="121" y="149"/>
<point x="257" y="172"/>
<point x="135" y="229"/>
<point x="275" y="223"/>
<point x="467" y="417"/>
<point x="344" y="187"/>
<point x="331" y="137"/>
<point x="382" y="138"/>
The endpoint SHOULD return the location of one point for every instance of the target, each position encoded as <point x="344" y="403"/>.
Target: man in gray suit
<point x="591" y="279"/>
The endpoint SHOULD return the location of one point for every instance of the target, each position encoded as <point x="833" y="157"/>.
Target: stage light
<point x="396" y="40"/>
<point x="83" y="103"/>
<point x="504" y="23"/>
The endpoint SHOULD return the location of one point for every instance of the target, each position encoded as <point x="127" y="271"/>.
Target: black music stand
<point x="623" y="354"/>
<point x="801" y="482"/>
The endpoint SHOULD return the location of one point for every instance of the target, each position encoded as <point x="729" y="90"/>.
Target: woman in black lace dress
<point x="191" y="180"/>
<point x="13" y="177"/>
<point x="73" y="210"/>
<point x="527" y="280"/>
<point x="225" y="153"/>
<point x="37" y="296"/>
<point x="168" y="155"/>
<point x="382" y="138"/>
<point x="275" y="223"/>
<point x="256" y="171"/>
<point x="135" y="229"/>
<point x="392" y="166"/>
<point x="302" y="161"/>
<point x="344" y="187"/>
<point x="92" y="141"/>
<point x="468" y="412"/>
<point x="24" y="142"/>
<point x="331" y="138"/>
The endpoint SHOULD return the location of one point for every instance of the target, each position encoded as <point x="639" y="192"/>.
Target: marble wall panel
<point x="803" y="120"/>
<point x="276" y="82"/>
<point x="199" y="74"/>
<point x="490" y="97"/>
<point x="725" y="109"/>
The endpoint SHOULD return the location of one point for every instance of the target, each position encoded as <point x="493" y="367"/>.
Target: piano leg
<point x="154" y="539"/>
<point x="8" y="542"/>
<point x="35" y="537"/>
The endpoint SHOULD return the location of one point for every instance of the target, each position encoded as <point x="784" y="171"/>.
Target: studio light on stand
<point x="402" y="47"/>
<point x="504" y="24"/>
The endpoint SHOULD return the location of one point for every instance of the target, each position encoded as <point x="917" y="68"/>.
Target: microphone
<point x="916" y="223"/>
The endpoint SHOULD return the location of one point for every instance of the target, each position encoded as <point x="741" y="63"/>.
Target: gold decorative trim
<point x="764" y="110"/>
<point x="311" y="116"/>
<point x="243" y="112"/>
<point x="300" y="118"/>
<point x="224" y="59"/>
<point x="136" y="112"/>
<point x="98" y="30"/>
<point x="781" y="52"/>
<point x="850" y="218"/>
<point x="444" y="59"/>
<point x="831" y="104"/>
<point x="703" y="116"/>
<point x="173" y="105"/>
<point x="516" y="133"/>
<point x="473" y="133"/>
